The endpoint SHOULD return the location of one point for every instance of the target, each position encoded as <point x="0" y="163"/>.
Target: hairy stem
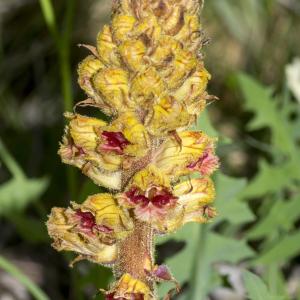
<point x="135" y="251"/>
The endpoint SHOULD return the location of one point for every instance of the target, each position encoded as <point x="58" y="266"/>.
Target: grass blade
<point x="36" y="292"/>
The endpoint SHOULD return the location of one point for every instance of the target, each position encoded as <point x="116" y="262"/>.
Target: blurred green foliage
<point x="252" y="249"/>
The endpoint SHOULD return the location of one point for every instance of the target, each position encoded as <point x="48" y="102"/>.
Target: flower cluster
<point x="146" y="73"/>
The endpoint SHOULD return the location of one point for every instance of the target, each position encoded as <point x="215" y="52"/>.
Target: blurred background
<point x="252" y="249"/>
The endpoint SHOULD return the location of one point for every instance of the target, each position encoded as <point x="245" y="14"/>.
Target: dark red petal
<point x="161" y="200"/>
<point x="114" y="141"/>
<point x="136" y="197"/>
<point x="197" y="162"/>
<point x="87" y="219"/>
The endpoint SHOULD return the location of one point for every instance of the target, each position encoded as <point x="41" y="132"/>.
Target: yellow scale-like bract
<point x="146" y="73"/>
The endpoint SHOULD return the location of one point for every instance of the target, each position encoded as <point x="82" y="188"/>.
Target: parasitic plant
<point x="147" y="74"/>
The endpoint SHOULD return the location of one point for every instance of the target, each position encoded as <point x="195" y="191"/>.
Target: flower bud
<point x="122" y="26"/>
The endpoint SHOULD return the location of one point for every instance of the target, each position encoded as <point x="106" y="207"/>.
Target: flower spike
<point x="147" y="75"/>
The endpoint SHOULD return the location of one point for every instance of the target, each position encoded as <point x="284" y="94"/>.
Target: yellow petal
<point x="167" y="115"/>
<point x="184" y="62"/>
<point x="150" y="176"/>
<point x="86" y="70"/>
<point x="106" y="48"/>
<point x="193" y="205"/>
<point x="108" y="213"/>
<point x="83" y="131"/>
<point x="132" y="53"/>
<point x="194" y="86"/>
<point x="148" y="27"/>
<point x="122" y="25"/>
<point x="190" y="34"/>
<point x="112" y="83"/>
<point x="195" y="192"/>
<point x="164" y="52"/>
<point x="146" y="86"/>
<point x="111" y="180"/>
<point x="174" y="156"/>
<point x="134" y="131"/>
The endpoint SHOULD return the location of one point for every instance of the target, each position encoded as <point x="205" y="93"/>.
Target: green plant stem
<point x="196" y="289"/>
<point x="36" y="292"/>
<point x="62" y="43"/>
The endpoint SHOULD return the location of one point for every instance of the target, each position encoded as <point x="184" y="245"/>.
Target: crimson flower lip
<point x="114" y="141"/>
<point x="158" y="198"/>
<point x="205" y="164"/>
<point x="88" y="222"/>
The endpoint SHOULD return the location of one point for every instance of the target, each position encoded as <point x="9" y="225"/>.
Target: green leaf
<point x="256" y="288"/>
<point x="204" y="124"/>
<point x="19" y="191"/>
<point x="207" y="248"/>
<point x="282" y="177"/>
<point x="267" y="114"/>
<point x="276" y="281"/>
<point x="285" y="249"/>
<point x="36" y="292"/>
<point x="228" y="203"/>
<point x="283" y="215"/>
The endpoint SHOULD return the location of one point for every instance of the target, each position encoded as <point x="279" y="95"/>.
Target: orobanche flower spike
<point x="147" y="75"/>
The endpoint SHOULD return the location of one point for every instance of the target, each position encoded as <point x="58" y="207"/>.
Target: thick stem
<point x="136" y="252"/>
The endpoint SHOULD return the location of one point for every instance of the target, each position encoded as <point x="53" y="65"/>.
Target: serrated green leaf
<point x="267" y="114"/>
<point x="282" y="216"/>
<point x="285" y="249"/>
<point x="281" y="177"/>
<point x="182" y="265"/>
<point x="257" y="289"/>
<point x="228" y="203"/>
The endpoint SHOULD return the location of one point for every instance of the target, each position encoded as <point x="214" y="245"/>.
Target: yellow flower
<point x="176" y="154"/>
<point x="194" y="200"/>
<point x="91" y="229"/>
<point x="108" y="213"/>
<point x="80" y="148"/>
<point x="63" y="227"/>
<point x="129" y="288"/>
